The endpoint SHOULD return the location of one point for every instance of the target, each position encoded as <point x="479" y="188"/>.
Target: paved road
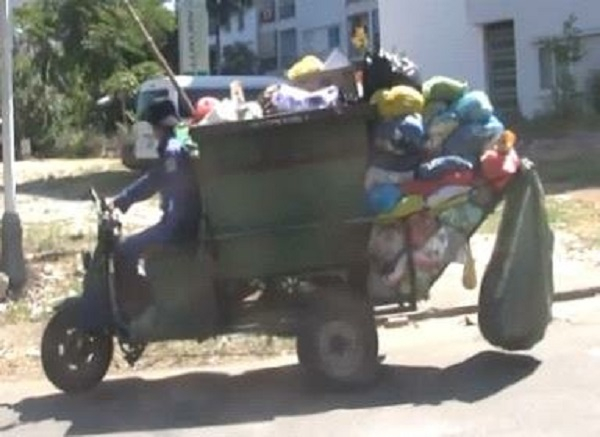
<point x="440" y="379"/>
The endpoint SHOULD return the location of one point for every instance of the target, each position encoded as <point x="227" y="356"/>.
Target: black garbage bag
<point x="383" y="70"/>
<point x="515" y="303"/>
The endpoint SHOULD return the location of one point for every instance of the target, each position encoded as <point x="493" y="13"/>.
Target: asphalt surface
<point x="440" y="379"/>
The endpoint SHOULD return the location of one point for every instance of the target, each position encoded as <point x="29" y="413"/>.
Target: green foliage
<point x="70" y="53"/>
<point x="567" y="50"/>
<point x="238" y="59"/>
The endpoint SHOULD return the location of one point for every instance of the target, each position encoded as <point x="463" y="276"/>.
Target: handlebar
<point x="99" y="200"/>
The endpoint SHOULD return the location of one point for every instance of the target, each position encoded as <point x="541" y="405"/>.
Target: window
<point x="355" y="21"/>
<point x="267" y="50"/>
<point x="333" y="35"/>
<point x="267" y="11"/>
<point x="287" y="9"/>
<point x="241" y="20"/>
<point x="289" y="47"/>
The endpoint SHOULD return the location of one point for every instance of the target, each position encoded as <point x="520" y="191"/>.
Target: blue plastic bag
<point x="402" y="135"/>
<point x="474" y="107"/>
<point x="439" y="166"/>
<point x="470" y="140"/>
<point x="383" y="198"/>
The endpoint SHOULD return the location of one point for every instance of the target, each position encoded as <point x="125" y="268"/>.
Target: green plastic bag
<point x="444" y="89"/>
<point x="515" y="303"/>
<point x="182" y="133"/>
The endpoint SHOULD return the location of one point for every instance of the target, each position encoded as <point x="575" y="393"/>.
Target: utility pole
<point x="12" y="262"/>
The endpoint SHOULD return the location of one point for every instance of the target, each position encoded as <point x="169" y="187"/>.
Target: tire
<point x="337" y="342"/>
<point x="74" y="361"/>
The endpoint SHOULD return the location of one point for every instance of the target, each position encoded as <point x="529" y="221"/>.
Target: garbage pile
<point x="439" y="160"/>
<point x="312" y="85"/>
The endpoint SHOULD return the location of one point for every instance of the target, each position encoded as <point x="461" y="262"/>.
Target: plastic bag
<point x="439" y="130"/>
<point x="444" y="89"/>
<point x="397" y="101"/>
<point x="474" y="107"/>
<point x="401" y="135"/>
<point x="308" y="65"/>
<point x="378" y="176"/>
<point x="383" y="198"/>
<point x="499" y="168"/>
<point x="515" y="303"/>
<point x="385" y="70"/>
<point x="286" y="99"/>
<point x="437" y="167"/>
<point x="470" y="140"/>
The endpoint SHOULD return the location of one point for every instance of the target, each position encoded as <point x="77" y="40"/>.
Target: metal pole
<point x="13" y="263"/>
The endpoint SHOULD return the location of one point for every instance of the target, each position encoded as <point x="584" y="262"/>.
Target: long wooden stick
<point x="159" y="55"/>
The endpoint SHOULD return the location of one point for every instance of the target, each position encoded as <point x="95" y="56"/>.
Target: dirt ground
<point x="58" y="223"/>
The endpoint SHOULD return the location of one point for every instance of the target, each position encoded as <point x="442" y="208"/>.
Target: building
<point x="281" y="31"/>
<point x="494" y="44"/>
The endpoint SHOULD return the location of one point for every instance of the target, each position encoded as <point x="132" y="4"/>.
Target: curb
<point x="433" y="313"/>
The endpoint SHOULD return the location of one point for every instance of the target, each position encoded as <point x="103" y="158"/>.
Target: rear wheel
<point x="73" y="360"/>
<point x="337" y="343"/>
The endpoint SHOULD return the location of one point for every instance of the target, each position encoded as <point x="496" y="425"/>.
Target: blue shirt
<point x="175" y="179"/>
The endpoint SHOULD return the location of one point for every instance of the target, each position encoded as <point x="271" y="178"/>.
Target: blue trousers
<point x="132" y="289"/>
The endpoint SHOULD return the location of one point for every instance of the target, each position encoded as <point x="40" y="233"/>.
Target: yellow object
<point x="506" y="142"/>
<point x="360" y="39"/>
<point x="469" y="278"/>
<point x="398" y="101"/>
<point x="407" y="206"/>
<point x="308" y="65"/>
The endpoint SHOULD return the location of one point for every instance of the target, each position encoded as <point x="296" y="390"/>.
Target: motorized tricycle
<point x="281" y="252"/>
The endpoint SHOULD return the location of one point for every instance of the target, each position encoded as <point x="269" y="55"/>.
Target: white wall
<point x="446" y="37"/>
<point x="435" y="34"/>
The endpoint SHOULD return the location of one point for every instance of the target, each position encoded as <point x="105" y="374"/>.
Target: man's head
<point x="162" y="115"/>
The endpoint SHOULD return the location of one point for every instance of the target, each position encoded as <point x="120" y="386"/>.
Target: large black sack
<point x="382" y="70"/>
<point x="515" y="303"/>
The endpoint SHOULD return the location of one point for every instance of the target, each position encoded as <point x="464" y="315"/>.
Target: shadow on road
<point x="209" y="399"/>
<point x="107" y="183"/>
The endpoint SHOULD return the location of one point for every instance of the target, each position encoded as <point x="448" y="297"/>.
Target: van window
<point x="145" y="98"/>
<point x="194" y="94"/>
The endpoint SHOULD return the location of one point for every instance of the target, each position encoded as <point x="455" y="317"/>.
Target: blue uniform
<point x="173" y="177"/>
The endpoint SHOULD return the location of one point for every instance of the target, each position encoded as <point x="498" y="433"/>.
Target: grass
<point x="576" y="170"/>
<point x="578" y="217"/>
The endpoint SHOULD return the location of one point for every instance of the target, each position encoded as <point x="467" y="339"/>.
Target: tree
<point x="73" y="51"/>
<point x="238" y="59"/>
<point x="220" y="13"/>
<point x="567" y="50"/>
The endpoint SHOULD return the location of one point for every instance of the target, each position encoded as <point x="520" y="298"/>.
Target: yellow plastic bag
<point x="308" y="65"/>
<point x="398" y="101"/>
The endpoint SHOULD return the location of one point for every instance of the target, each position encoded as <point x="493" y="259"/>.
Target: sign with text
<point x="193" y="37"/>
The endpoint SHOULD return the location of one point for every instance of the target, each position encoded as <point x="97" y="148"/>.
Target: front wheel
<point x="337" y="343"/>
<point x="73" y="360"/>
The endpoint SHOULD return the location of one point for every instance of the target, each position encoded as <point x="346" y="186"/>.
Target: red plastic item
<point x="428" y="187"/>
<point x="499" y="168"/>
<point x="204" y="106"/>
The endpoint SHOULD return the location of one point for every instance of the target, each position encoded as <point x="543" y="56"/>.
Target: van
<point x="143" y="148"/>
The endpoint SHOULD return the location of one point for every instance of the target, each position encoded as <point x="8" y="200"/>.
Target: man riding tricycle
<point x="189" y="276"/>
<point x="281" y="200"/>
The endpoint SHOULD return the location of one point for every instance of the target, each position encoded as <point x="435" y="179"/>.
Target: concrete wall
<point x="446" y="37"/>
